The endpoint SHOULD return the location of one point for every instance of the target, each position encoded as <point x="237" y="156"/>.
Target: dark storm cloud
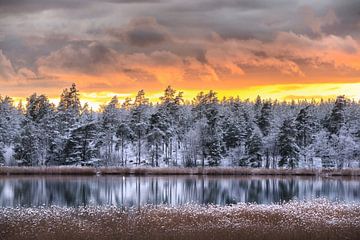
<point x="139" y="75"/>
<point x="83" y="57"/>
<point x="348" y="13"/>
<point x="28" y="6"/>
<point x="219" y="38"/>
<point x="141" y="32"/>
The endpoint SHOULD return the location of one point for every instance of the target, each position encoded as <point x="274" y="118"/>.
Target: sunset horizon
<point x="280" y="50"/>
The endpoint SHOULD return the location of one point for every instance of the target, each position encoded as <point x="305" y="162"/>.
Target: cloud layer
<point x="121" y="46"/>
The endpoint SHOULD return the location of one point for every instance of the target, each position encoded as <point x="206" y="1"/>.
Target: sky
<point x="285" y="49"/>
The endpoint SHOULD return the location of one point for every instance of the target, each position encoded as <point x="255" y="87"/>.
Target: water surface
<point x="171" y="190"/>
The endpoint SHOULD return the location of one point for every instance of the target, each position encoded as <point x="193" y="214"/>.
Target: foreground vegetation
<point x="294" y="220"/>
<point x="70" y="170"/>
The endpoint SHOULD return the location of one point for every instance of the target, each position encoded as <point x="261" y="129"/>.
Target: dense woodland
<point x="173" y="132"/>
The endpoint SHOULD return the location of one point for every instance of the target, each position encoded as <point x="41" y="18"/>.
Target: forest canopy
<point x="173" y="132"/>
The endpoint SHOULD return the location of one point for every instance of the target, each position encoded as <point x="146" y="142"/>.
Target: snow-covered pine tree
<point x="10" y="120"/>
<point x="254" y="148"/>
<point x="155" y="136"/>
<point x="336" y="119"/>
<point x="211" y="135"/>
<point x="2" y="157"/>
<point x="231" y="132"/>
<point x="109" y="122"/>
<point x="305" y="128"/>
<point x="139" y="120"/>
<point x="27" y="145"/>
<point x="68" y="110"/>
<point x="82" y="147"/>
<point x="264" y="119"/>
<point x="288" y="148"/>
<point x="124" y="135"/>
<point x="41" y="112"/>
<point x="304" y="124"/>
<point x="169" y="109"/>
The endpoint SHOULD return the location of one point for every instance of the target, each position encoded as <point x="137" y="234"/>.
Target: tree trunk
<point x="139" y="148"/>
<point x="267" y="163"/>
<point x="122" y="151"/>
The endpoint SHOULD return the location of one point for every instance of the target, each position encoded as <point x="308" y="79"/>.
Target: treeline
<point x="205" y="131"/>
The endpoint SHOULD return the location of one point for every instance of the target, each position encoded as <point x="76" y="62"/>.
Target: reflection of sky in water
<point x="171" y="190"/>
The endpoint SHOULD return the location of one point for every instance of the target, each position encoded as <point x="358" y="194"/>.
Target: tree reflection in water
<point x="126" y="191"/>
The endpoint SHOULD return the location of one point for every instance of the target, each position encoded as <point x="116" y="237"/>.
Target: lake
<point x="136" y="191"/>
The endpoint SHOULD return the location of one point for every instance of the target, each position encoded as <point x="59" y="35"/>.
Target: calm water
<point x="171" y="190"/>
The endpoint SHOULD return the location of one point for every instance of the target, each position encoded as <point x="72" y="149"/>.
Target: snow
<point x="8" y="154"/>
<point x="207" y="131"/>
<point x="307" y="220"/>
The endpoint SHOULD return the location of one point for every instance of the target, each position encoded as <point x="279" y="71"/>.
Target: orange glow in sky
<point x="279" y="50"/>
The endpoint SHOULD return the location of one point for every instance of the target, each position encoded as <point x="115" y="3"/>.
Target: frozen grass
<point x="62" y="170"/>
<point x="71" y="170"/>
<point x="319" y="219"/>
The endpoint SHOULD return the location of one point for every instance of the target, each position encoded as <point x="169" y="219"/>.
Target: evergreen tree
<point x="124" y="135"/>
<point x="211" y="135"/>
<point x="288" y="148"/>
<point x="37" y="107"/>
<point x="232" y="132"/>
<point x="27" y="145"/>
<point x="264" y="120"/>
<point x="110" y="121"/>
<point x="169" y="110"/>
<point x="82" y="145"/>
<point x="336" y="119"/>
<point x="2" y="158"/>
<point x="10" y="120"/>
<point x="304" y="125"/>
<point x="156" y="134"/>
<point x="139" y="120"/>
<point x="68" y="111"/>
<point x="254" y="147"/>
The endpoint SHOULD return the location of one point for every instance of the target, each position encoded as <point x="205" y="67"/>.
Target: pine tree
<point x="255" y="150"/>
<point x="27" y="145"/>
<point x="169" y="110"/>
<point x="264" y="120"/>
<point x="336" y="119"/>
<point x="68" y="111"/>
<point x="211" y="135"/>
<point x="10" y="120"/>
<point x="139" y="120"/>
<point x="82" y="146"/>
<point x="124" y="135"/>
<point x="155" y="137"/>
<point x="2" y="158"/>
<point x="37" y="107"/>
<point x="233" y="125"/>
<point x="288" y="148"/>
<point x="110" y="121"/>
<point x="304" y="125"/>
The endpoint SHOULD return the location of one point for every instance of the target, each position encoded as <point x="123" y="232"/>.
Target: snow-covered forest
<point x="174" y="132"/>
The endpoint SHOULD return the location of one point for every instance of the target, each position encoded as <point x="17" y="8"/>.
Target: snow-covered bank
<point x="71" y="170"/>
<point x="318" y="219"/>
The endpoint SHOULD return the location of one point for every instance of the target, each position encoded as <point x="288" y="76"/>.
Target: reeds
<point x="61" y="170"/>
<point x="77" y="170"/>
<point x="305" y="220"/>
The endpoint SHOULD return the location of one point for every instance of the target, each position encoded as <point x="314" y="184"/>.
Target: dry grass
<point x="306" y="220"/>
<point x="71" y="170"/>
<point x="63" y="170"/>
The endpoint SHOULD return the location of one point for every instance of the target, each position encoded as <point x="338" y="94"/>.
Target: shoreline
<point x="200" y="171"/>
<point x="294" y="220"/>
